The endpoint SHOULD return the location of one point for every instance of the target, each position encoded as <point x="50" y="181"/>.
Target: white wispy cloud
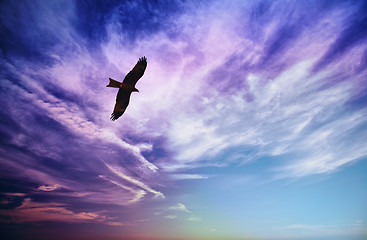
<point x="188" y="176"/>
<point x="139" y="193"/>
<point x="179" y="207"/>
<point x="282" y="118"/>
<point x="120" y="173"/>
<point x="318" y="230"/>
<point x="193" y="219"/>
<point x="302" y="227"/>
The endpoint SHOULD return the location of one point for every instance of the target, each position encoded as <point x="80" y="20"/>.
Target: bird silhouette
<point x="127" y="87"/>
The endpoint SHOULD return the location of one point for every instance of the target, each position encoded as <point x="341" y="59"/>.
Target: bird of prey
<point x="127" y="87"/>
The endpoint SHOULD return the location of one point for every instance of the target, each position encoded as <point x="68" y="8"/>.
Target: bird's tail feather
<point x="113" y="83"/>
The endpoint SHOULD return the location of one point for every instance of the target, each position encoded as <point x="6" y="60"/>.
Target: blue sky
<point x="249" y="124"/>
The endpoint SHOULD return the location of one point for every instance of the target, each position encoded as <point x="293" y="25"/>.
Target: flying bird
<point x="127" y="87"/>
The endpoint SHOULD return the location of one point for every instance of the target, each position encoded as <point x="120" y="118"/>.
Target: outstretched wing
<point x="122" y="101"/>
<point x="136" y="73"/>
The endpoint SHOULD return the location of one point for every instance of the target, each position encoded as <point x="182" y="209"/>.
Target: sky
<point x="250" y="122"/>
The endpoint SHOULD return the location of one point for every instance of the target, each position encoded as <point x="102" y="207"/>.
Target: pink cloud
<point x="49" y="188"/>
<point x="35" y="211"/>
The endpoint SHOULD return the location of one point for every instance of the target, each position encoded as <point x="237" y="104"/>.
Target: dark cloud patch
<point x="259" y="16"/>
<point x="59" y="93"/>
<point x="57" y="167"/>
<point x="92" y="18"/>
<point x="11" y="183"/>
<point x="133" y="19"/>
<point x="32" y="124"/>
<point x="9" y="75"/>
<point x="357" y="103"/>
<point x="291" y="20"/>
<point x="10" y="200"/>
<point x="354" y="32"/>
<point x="50" y="125"/>
<point x="140" y="19"/>
<point x="7" y="126"/>
<point x="359" y="100"/>
<point x="363" y="62"/>
<point x="232" y="74"/>
<point x="13" y="44"/>
<point x="85" y="103"/>
<point x="282" y="40"/>
<point x="260" y="10"/>
<point x="30" y="30"/>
